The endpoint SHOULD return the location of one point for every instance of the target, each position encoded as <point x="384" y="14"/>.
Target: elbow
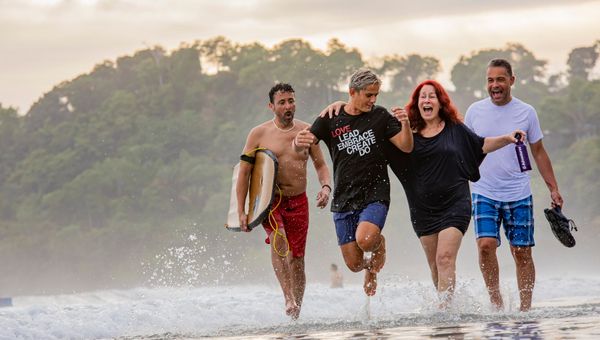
<point x="488" y="146"/>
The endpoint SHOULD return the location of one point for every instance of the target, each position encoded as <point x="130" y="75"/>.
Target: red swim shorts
<point x="291" y="215"/>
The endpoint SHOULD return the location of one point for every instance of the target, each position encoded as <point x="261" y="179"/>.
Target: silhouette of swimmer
<point x="337" y="280"/>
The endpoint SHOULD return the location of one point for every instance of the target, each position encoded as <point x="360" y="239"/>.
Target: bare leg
<point x="353" y="256"/>
<point x="525" y="275"/>
<point x="298" y="281"/>
<point x="378" y="257"/>
<point x="369" y="239"/>
<point x="283" y="273"/>
<point x="488" y="263"/>
<point x="429" y="244"/>
<point x="449" y="241"/>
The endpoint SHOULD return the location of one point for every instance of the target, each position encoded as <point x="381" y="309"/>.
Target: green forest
<point x="109" y="168"/>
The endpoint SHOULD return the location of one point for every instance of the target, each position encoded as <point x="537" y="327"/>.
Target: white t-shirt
<point x="501" y="177"/>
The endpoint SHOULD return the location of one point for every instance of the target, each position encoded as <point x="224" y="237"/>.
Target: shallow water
<point x="402" y="309"/>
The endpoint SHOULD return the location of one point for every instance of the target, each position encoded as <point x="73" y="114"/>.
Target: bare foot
<point x="378" y="257"/>
<point x="445" y="300"/>
<point x="496" y="300"/>
<point x="292" y="309"/>
<point x="370" y="285"/>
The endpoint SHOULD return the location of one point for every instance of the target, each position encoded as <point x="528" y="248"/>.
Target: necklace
<point x="284" y="130"/>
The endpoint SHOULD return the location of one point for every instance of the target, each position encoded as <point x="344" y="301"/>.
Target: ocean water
<point x="563" y="308"/>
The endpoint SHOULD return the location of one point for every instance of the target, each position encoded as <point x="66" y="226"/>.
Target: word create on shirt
<point x="354" y="141"/>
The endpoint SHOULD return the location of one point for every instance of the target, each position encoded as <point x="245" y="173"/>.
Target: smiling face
<point x="499" y="83"/>
<point x="365" y="99"/>
<point x="429" y="105"/>
<point x="284" y="107"/>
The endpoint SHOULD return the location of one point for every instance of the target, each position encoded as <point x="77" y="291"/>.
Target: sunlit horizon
<point x="47" y="42"/>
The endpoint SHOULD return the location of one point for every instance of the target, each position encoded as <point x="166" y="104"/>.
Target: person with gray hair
<point x="363" y="78"/>
<point x="361" y="196"/>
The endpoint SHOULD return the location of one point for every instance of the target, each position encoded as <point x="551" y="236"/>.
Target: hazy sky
<point x="45" y="42"/>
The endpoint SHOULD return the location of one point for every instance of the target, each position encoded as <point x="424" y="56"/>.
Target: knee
<point x="444" y="260"/>
<point x="368" y="242"/>
<point x="522" y="255"/>
<point x="487" y="246"/>
<point x="354" y="266"/>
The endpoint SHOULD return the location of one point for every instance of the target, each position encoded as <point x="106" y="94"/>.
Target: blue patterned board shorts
<point x="347" y="222"/>
<point x="516" y="216"/>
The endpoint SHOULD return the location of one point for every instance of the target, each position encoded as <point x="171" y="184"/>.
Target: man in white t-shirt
<point x="503" y="194"/>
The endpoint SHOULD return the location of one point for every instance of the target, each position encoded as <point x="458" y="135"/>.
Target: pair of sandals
<point x="561" y="226"/>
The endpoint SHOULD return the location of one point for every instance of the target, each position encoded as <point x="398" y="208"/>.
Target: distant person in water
<point x="291" y="213"/>
<point x="503" y="195"/>
<point x="337" y="280"/>
<point x="361" y="197"/>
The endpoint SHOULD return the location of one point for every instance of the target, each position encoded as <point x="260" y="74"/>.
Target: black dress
<point x="436" y="176"/>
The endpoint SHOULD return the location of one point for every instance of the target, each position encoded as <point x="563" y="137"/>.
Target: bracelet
<point x="326" y="185"/>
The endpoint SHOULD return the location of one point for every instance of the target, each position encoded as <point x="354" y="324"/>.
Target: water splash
<point x="196" y="260"/>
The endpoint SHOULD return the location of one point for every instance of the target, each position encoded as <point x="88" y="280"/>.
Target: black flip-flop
<point x="561" y="226"/>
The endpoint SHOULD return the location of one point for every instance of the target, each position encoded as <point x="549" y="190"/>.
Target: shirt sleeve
<point x="472" y="152"/>
<point x="393" y="127"/>
<point x="534" y="133"/>
<point x="319" y="128"/>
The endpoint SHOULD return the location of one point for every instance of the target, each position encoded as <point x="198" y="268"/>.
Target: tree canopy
<point x="151" y="137"/>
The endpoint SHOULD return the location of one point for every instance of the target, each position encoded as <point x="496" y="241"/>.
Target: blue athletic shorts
<point x="516" y="216"/>
<point x="347" y="222"/>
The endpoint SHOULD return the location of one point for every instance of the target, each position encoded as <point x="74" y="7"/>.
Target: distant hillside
<point x="100" y="164"/>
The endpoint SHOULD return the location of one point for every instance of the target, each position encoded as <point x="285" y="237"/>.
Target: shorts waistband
<point x="293" y="197"/>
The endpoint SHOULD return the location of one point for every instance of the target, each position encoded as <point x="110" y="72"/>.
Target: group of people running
<point x="433" y="152"/>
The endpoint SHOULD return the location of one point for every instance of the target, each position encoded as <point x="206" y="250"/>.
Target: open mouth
<point x="428" y="109"/>
<point x="496" y="94"/>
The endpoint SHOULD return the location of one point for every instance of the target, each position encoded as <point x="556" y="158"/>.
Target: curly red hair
<point x="448" y="112"/>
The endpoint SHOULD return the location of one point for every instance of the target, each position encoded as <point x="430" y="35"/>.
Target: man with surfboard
<point x="287" y="223"/>
<point x="355" y="140"/>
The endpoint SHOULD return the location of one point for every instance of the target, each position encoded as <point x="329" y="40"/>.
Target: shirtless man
<point x="291" y="215"/>
<point x="355" y="140"/>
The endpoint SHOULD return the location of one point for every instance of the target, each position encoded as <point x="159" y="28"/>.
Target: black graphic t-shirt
<point x="355" y="144"/>
<point x="436" y="176"/>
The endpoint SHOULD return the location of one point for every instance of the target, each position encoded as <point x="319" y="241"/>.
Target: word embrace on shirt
<point x="354" y="141"/>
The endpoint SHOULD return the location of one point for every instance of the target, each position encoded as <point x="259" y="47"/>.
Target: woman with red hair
<point x="436" y="175"/>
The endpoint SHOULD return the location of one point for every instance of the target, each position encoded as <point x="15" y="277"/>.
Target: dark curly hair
<point x="283" y="87"/>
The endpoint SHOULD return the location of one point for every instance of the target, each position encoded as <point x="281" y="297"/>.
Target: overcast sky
<point x="45" y="42"/>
